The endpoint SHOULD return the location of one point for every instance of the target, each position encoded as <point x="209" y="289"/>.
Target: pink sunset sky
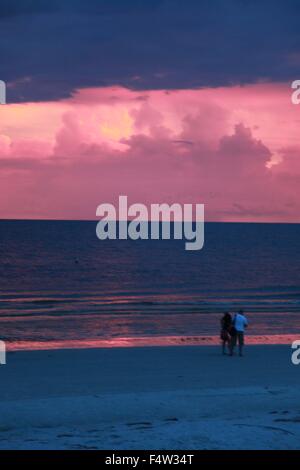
<point x="235" y="149"/>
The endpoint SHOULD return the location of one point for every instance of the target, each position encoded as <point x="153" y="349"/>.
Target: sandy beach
<point x="176" y="397"/>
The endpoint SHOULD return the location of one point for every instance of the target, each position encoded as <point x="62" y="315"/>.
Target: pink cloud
<point x="216" y="146"/>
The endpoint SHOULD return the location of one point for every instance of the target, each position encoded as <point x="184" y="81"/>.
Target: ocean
<point x="60" y="284"/>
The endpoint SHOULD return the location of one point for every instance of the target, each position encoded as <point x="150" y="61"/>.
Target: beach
<point x="175" y="397"/>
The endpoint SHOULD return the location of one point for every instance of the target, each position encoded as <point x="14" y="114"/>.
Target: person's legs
<point x="232" y="344"/>
<point x="241" y="342"/>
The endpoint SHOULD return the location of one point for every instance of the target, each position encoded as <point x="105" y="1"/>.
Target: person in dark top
<point x="225" y="335"/>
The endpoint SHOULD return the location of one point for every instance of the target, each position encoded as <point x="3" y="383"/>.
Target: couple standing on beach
<point x="232" y="331"/>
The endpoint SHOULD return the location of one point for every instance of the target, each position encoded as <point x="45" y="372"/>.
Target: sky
<point x="163" y="101"/>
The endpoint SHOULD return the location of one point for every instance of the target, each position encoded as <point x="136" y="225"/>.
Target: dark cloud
<point x="48" y="49"/>
<point x="12" y="8"/>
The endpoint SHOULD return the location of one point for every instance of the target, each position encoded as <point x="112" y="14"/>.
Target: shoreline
<point x="146" y="341"/>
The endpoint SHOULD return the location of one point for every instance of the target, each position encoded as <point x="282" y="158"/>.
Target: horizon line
<point x="129" y="220"/>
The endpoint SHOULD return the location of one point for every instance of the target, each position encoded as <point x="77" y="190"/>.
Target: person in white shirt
<point x="239" y="323"/>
